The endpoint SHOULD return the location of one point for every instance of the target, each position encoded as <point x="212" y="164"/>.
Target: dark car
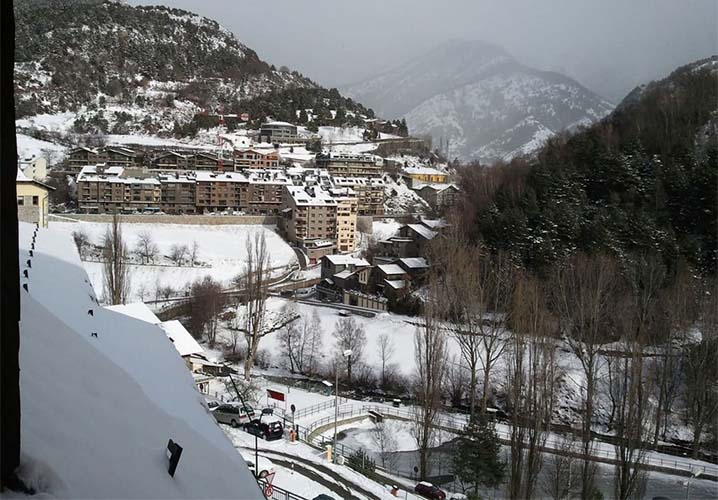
<point x="428" y="490"/>
<point x="268" y="430"/>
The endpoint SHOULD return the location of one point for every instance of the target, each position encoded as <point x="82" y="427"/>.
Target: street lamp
<point x="346" y="354"/>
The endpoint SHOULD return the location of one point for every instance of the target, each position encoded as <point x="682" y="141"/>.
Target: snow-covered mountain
<point x="124" y="69"/>
<point x="479" y="98"/>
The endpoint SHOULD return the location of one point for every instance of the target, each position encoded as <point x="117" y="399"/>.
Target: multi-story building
<point x="265" y="192"/>
<point x="80" y="157"/>
<point x="350" y="165"/>
<point x="277" y="132"/>
<point x="253" y="158"/>
<point x="104" y="189"/>
<point x="209" y="161"/>
<point x="346" y="218"/>
<point x="178" y="193"/>
<point x="170" y="160"/>
<point x="309" y="215"/>
<point x="439" y="196"/>
<point x="217" y="192"/>
<point x="369" y="193"/>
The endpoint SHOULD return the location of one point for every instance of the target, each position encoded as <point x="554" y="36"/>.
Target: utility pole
<point x="10" y="284"/>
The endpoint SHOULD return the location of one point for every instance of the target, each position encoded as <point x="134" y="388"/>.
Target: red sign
<point x="279" y="396"/>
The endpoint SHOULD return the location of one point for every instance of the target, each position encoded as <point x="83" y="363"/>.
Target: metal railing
<point x="319" y="407"/>
<point x="277" y="493"/>
<point x="455" y="424"/>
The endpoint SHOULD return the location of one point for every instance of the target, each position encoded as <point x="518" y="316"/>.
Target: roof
<point x="183" y="341"/>
<point x="344" y="274"/>
<point x="283" y="124"/>
<point x="310" y="196"/>
<point x="414" y="262"/>
<point x="422" y="231"/>
<point x="345" y="260"/>
<point x="423" y="171"/>
<point x="391" y="269"/>
<point x="137" y="310"/>
<point x="396" y="284"/>
<point x="434" y="223"/>
<point x="23" y="179"/>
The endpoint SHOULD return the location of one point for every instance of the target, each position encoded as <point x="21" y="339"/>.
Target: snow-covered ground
<point x="102" y="394"/>
<point x="385" y="229"/>
<point x="27" y="147"/>
<point x="399" y="198"/>
<point x="222" y="247"/>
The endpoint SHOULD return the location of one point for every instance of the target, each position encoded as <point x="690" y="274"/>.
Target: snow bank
<point x="98" y="410"/>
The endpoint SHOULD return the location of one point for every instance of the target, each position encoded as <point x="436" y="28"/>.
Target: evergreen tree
<point x="476" y="461"/>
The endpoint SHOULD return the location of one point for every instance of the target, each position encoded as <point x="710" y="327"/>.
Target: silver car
<point x="233" y="414"/>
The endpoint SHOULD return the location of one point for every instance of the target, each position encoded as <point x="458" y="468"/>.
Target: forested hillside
<point x="642" y="180"/>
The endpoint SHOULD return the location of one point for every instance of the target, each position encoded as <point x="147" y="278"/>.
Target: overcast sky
<point x="608" y="45"/>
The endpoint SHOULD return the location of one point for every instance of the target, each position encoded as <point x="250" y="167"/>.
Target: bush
<point x="361" y="461"/>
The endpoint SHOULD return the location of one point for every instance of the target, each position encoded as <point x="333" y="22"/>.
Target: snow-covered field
<point x="385" y="228"/>
<point x="28" y="147"/>
<point x="222" y="247"/>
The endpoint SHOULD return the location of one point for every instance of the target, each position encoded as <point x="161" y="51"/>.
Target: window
<point x="35" y="200"/>
<point x="20" y="201"/>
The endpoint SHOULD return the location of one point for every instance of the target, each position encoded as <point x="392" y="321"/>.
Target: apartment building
<point x="178" y="193"/>
<point x="217" y="192"/>
<point x="350" y="165"/>
<point x="111" y="155"/>
<point x="266" y="191"/>
<point x="103" y="189"/>
<point x="369" y="193"/>
<point x="416" y="175"/>
<point x="209" y="161"/>
<point x="346" y="218"/>
<point x="253" y="158"/>
<point x="309" y="215"/>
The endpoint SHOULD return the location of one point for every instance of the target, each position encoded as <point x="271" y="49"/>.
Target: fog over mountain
<point x="609" y="46"/>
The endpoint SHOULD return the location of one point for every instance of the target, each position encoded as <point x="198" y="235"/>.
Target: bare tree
<point x="178" y="254"/>
<point x="205" y="306"/>
<point x="253" y="319"/>
<point x="82" y="242"/>
<point x="115" y="266"/>
<point x="678" y="304"/>
<point x="430" y="355"/>
<point x="193" y="252"/>
<point x="701" y="371"/>
<point x="384" y="442"/>
<point x="290" y="339"/>
<point x="476" y="288"/>
<point x="313" y="341"/>
<point x="349" y="335"/>
<point x="582" y="298"/>
<point x="561" y="468"/>
<point x="531" y="381"/>
<point x="456" y="381"/>
<point x="146" y="248"/>
<point x="386" y="350"/>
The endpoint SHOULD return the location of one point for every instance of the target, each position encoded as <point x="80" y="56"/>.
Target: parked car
<point x="266" y="429"/>
<point x="428" y="490"/>
<point x="265" y="466"/>
<point x="233" y="414"/>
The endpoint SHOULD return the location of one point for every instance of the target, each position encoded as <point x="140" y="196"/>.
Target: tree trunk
<point x="485" y="395"/>
<point x="472" y="392"/>
<point x="586" y="470"/>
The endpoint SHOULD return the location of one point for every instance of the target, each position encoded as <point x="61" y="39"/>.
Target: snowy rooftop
<point x="137" y="310"/>
<point x="422" y="171"/>
<point x="102" y="394"/>
<point x="422" y="230"/>
<point x="204" y="176"/>
<point x="415" y="262"/>
<point x="101" y="169"/>
<point x="183" y="341"/>
<point x="311" y="196"/>
<point x="396" y="284"/>
<point x="346" y="260"/>
<point x="391" y="269"/>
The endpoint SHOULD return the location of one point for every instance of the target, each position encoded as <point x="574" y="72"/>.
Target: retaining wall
<point x="204" y="220"/>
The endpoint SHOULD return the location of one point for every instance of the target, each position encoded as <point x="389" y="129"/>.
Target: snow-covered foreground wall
<point x="98" y="410"/>
<point x="222" y="248"/>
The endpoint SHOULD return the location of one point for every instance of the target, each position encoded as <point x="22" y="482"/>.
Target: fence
<point x="319" y="407"/>
<point x="277" y="493"/>
<point x="454" y="424"/>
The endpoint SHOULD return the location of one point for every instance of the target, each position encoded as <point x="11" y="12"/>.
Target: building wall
<point x="346" y="224"/>
<point x="204" y="220"/>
